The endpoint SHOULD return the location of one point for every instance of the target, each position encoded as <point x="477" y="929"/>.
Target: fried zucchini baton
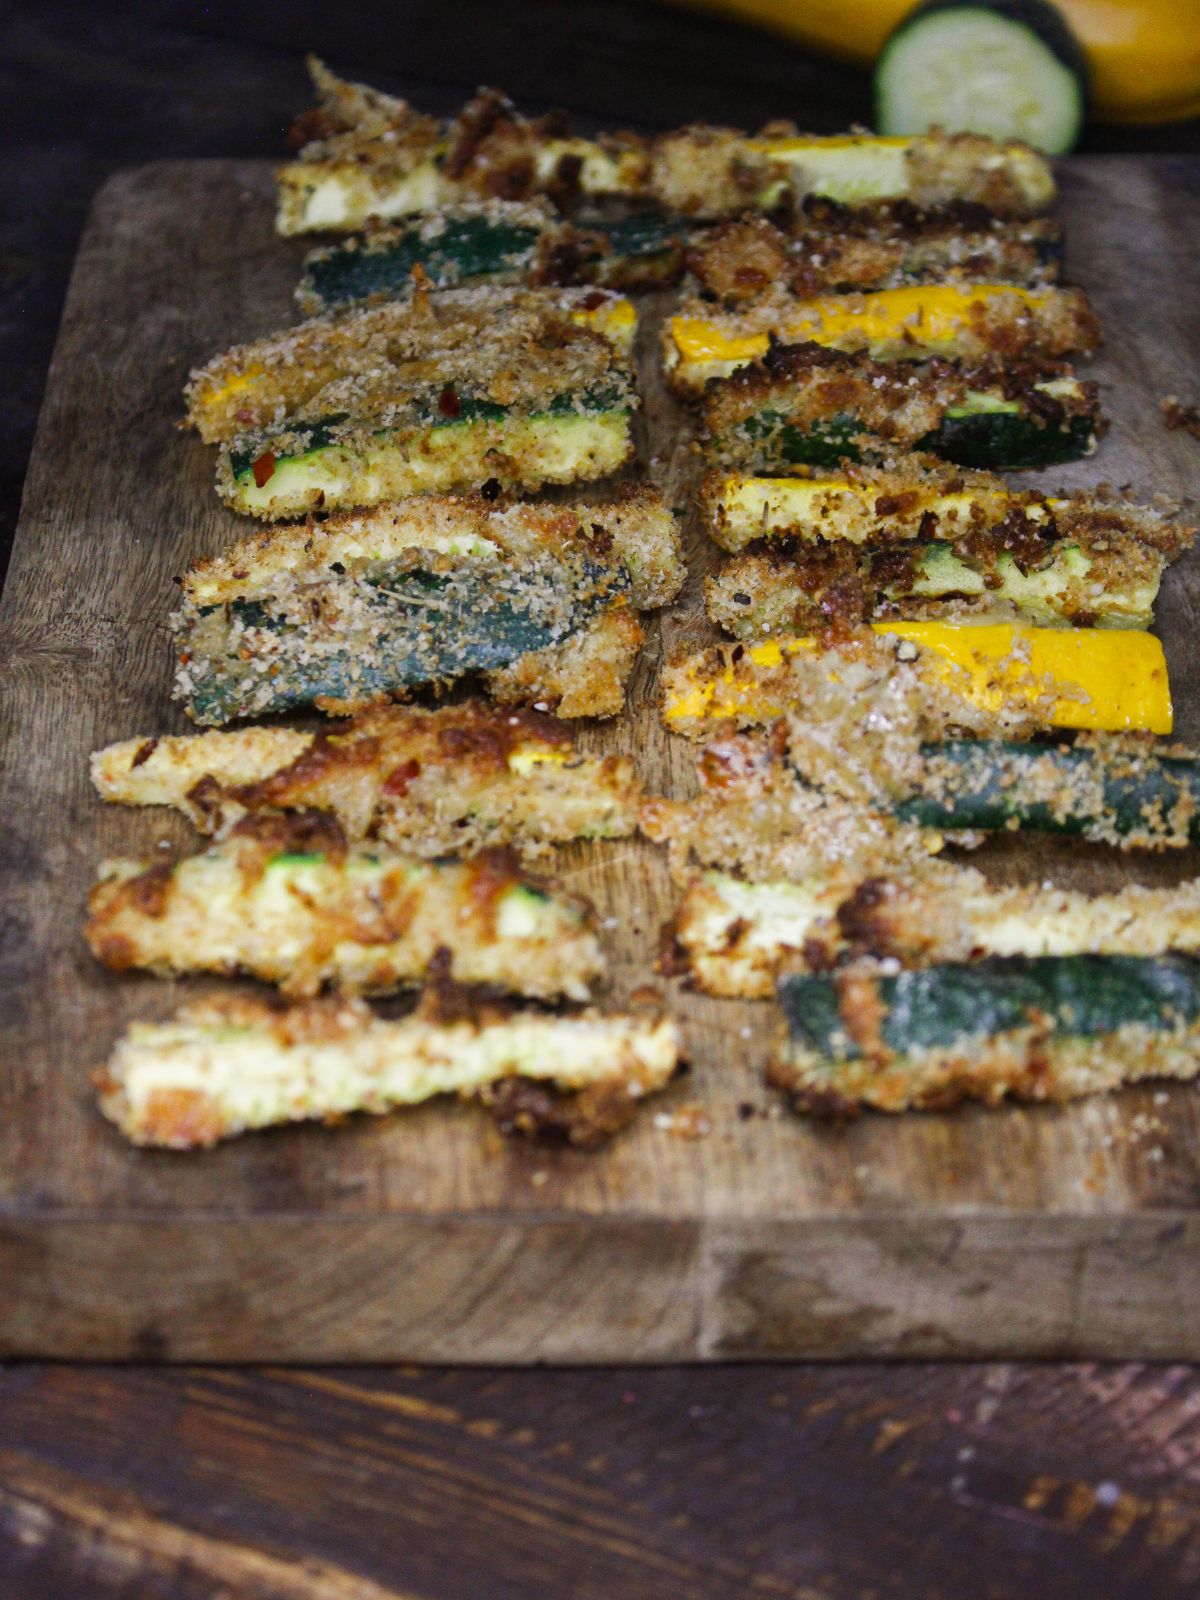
<point x="494" y="241"/>
<point x="1045" y="1028"/>
<point x="859" y="547"/>
<point x="782" y="586"/>
<point x="829" y="249"/>
<point x="365" y="606"/>
<point x="932" y="503"/>
<point x="488" y="345"/>
<point x="453" y="391"/>
<point x="965" y="322"/>
<point x="364" y="155"/>
<point x="896" y="751"/>
<point x="907" y="760"/>
<point x="226" y="1066"/>
<point x="987" y="677"/>
<point x="286" y="899"/>
<point x="1110" y="791"/>
<point x="805" y="405"/>
<point x="752" y="816"/>
<point x="428" y="783"/>
<point x="738" y="938"/>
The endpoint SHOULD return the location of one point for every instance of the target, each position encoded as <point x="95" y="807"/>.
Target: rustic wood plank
<point x="769" y="1236"/>
<point x="814" y="1484"/>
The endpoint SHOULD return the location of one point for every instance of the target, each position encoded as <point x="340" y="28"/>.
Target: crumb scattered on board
<point x="1176" y="413"/>
<point x="689" y="1122"/>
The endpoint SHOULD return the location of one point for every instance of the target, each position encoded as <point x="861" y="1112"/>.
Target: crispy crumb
<point x="688" y="1122"/>
<point x="1177" y="413"/>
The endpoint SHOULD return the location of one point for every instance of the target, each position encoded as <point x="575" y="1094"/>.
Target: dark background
<point x="835" y="1483"/>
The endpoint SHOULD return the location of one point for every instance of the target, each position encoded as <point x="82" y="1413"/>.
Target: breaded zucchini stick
<point x="739" y="938"/>
<point x="962" y="509"/>
<point x="752" y="816"/>
<point x="496" y="347"/>
<point x="895" y="753"/>
<point x="369" y="605"/>
<point x="428" y="783"/>
<point x="365" y="155"/>
<point x="1116" y="791"/>
<point x="1033" y="1028"/>
<point x="461" y="343"/>
<point x="284" y="898"/>
<point x="829" y="249"/>
<point x="806" y="405"/>
<point x="784" y="586"/>
<point x="226" y="1066"/>
<point x="891" y="751"/>
<point x="475" y="388"/>
<point x="972" y="323"/>
<point x="989" y="678"/>
<point x="495" y="242"/>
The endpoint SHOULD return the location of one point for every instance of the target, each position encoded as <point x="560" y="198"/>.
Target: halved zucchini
<point x="1005" y="68"/>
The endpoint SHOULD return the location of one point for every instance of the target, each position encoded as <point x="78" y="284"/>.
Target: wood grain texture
<point x="423" y="1235"/>
<point x="802" y="1484"/>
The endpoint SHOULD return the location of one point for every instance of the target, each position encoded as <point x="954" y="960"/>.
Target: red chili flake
<point x="397" y="782"/>
<point x="591" y="302"/>
<point x="448" y="403"/>
<point x="264" y="468"/>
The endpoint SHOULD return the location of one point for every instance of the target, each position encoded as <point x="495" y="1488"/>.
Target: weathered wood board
<point x="1023" y="1232"/>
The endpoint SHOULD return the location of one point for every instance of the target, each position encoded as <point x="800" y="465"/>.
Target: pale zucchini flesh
<point x="225" y="1068"/>
<point x="277" y="903"/>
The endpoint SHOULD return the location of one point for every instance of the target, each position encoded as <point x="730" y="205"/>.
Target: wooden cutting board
<point x="1020" y="1232"/>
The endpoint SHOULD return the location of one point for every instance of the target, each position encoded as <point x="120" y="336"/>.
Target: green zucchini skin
<point x="989" y="785"/>
<point x="1000" y="441"/>
<point x="1010" y="441"/>
<point x="332" y="462"/>
<point x="425" y="627"/>
<point x="380" y="267"/>
<point x="427" y="410"/>
<point x="641" y="251"/>
<point x="943" y="1007"/>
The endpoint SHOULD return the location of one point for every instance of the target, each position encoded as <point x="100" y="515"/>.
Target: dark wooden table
<point x="812" y="1482"/>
